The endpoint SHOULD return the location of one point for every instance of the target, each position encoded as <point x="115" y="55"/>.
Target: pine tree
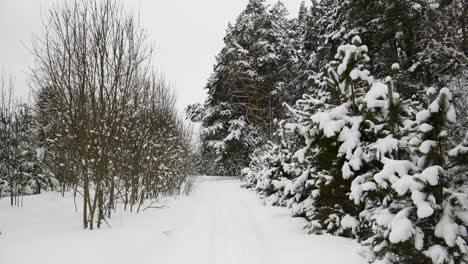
<point x="364" y="157"/>
<point x="347" y="71"/>
<point x="254" y="74"/>
<point x="424" y="37"/>
<point x="331" y="129"/>
<point x="415" y="198"/>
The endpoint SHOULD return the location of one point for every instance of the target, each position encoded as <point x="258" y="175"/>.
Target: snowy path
<point x="220" y="223"/>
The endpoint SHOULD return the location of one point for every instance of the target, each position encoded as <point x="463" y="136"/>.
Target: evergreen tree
<point x="23" y="170"/>
<point x="371" y="165"/>
<point x="424" y="37"/>
<point x="254" y="74"/>
<point x="416" y="205"/>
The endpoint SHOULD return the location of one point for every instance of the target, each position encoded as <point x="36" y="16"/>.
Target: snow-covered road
<point x="219" y="223"/>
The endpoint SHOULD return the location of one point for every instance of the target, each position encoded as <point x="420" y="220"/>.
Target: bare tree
<point x="104" y="113"/>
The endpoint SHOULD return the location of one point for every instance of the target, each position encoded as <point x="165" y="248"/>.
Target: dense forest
<point x="103" y="123"/>
<point x="351" y="116"/>
<point x="354" y="115"/>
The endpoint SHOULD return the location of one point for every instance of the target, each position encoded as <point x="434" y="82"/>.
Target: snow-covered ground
<point x="219" y="223"/>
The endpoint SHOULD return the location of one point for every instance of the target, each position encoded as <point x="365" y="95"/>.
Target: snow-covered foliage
<point x="347" y="70"/>
<point x="365" y="148"/>
<point x="370" y="165"/>
<point x="255" y="73"/>
<point x="22" y="167"/>
<point x="268" y="60"/>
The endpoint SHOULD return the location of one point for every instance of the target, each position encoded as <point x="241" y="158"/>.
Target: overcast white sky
<point x="186" y="34"/>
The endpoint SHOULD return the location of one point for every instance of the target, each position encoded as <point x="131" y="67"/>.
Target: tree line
<point x="106" y="123"/>
<point x="353" y="114"/>
<point x="269" y="59"/>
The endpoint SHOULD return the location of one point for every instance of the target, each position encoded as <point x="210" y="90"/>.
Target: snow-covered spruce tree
<point x="419" y="215"/>
<point x="226" y="141"/>
<point x="21" y="158"/>
<point x="433" y="123"/>
<point x="359" y="175"/>
<point x="22" y="168"/>
<point x="336" y="142"/>
<point x="272" y="168"/>
<point x="255" y="72"/>
<point x="33" y="176"/>
<point x="382" y="113"/>
<point x="330" y="128"/>
<point x="345" y="72"/>
<point x="319" y="171"/>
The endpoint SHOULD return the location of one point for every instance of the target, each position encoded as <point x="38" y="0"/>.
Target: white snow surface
<point x="219" y="223"/>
